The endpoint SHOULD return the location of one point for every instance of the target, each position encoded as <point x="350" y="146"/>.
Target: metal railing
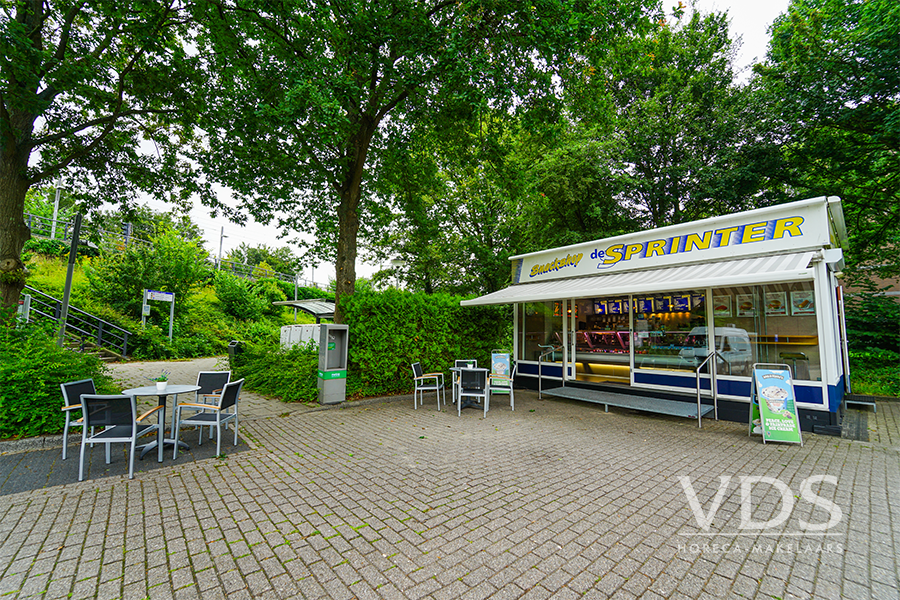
<point x="712" y="386"/>
<point x="80" y="324"/>
<point x="551" y="350"/>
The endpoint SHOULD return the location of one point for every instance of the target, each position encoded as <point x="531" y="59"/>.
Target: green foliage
<point x="237" y="297"/>
<point x="171" y="264"/>
<point x="280" y="259"/>
<point x="391" y="330"/>
<point x="832" y="74"/>
<point x="873" y="322"/>
<point x="31" y="368"/>
<point x="288" y="374"/>
<point x="875" y="372"/>
<point x="47" y="247"/>
<point x="269" y="291"/>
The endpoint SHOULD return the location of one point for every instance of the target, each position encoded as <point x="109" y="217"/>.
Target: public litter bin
<point x="332" y="377"/>
<point x="234" y="350"/>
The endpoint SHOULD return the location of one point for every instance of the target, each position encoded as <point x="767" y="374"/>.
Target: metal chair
<point x="460" y="364"/>
<point x="72" y="392"/>
<point x="211" y="384"/>
<point x="117" y="415"/>
<point x="472" y="384"/>
<point x="422" y="385"/>
<point x="500" y="381"/>
<point x="224" y="411"/>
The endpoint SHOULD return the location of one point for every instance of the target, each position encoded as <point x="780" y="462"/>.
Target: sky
<point x="750" y="19"/>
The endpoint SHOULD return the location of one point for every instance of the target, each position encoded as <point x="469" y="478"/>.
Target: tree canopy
<point x="306" y="93"/>
<point x="82" y="86"/>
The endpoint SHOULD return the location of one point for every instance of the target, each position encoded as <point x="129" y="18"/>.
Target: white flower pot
<point x="161" y="386"/>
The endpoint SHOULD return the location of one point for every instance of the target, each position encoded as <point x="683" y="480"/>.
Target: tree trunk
<point x="348" y="216"/>
<point x="13" y="230"/>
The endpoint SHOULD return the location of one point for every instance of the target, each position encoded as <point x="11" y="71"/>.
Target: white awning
<point x="748" y="271"/>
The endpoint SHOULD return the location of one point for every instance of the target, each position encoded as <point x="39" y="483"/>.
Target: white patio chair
<point x="427" y="382"/>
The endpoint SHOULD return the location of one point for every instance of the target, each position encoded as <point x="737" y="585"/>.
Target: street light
<point x="397" y="263"/>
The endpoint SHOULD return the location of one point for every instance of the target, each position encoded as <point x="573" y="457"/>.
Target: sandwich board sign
<point x="773" y="407"/>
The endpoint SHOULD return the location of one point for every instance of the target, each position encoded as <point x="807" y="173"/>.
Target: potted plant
<point x="161" y="381"/>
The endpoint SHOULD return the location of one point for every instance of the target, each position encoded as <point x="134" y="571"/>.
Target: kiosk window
<point x="540" y="324"/>
<point x="773" y="324"/>
<point x="670" y="330"/>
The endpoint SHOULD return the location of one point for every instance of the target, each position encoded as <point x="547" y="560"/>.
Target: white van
<point x="732" y="344"/>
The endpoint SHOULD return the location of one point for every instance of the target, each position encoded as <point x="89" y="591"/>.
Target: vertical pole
<point x="65" y="303"/>
<point x="221" y="239"/>
<point x="55" y="209"/>
<point x="144" y="310"/>
<point x="171" y="317"/>
<point x="296" y="279"/>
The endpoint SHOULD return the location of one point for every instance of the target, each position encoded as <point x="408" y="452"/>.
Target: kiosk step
<point x="653" y="405"/>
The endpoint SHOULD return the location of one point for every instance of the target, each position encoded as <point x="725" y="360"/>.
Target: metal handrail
<point x="102" y="333"/>
<point x="551" y="350"/>
<point x="712" y="386"/>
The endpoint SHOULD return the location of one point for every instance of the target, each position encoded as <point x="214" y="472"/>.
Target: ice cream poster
<point x="777" y="408"/>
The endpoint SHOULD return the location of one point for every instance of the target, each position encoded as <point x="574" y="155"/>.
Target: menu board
<point x="803" y="302"/>
<point x="682" y="303"/>
<point x="615" y="306"/>
<point x="773" y="409"/>
<point x="662" y="304"/>
<point x="644" y="305"/>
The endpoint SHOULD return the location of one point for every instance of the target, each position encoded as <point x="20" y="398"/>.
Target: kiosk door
<point x="601" y="348"/>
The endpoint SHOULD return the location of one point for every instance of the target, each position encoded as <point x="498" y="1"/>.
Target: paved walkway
<point x="555" y="500"/>
<point x="136" y="374"/>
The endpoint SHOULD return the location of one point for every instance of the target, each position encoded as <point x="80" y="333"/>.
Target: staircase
<point x="84" y="332"/>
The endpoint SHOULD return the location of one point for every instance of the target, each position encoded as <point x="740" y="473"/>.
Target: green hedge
<point x="388" y="332"/>
<point x="31" y="369"/>
<point x="391" y="330"/>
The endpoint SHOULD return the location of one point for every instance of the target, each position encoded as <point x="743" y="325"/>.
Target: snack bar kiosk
<point x="643" y="310"/>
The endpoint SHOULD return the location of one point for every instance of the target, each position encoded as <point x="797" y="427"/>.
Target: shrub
<point x="171" y="264"/>
<point x="237" y="299"/>
<point x="48" y="247"/>
<point x="393" y="329"/>
<point x="289" y="374"/>
<point x="269" y="291"/>
<point x="874" y="371"/>
<point x="31" y="368"/>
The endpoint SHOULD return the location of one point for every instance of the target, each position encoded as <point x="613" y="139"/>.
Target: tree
<point x="305" y="92"/>
<point x="170" y="264"/>
<point x="831" y="73"/>
<point x="82" y="85"/>
<point x="667" y="122"/>
<point x="280" y="259"/>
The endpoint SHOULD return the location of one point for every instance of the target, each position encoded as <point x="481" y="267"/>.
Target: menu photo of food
<point x="803" y="302"/>
<point x="776" y="303"/>
<point x="745" y="305"/>
<point x="722" y="306"/>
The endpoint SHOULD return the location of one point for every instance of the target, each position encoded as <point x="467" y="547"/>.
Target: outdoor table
<point x="171" y="390"/>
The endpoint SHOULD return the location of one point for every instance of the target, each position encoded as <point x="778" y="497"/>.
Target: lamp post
<point x="222" y="236"/>
<point x="397" y="263"/>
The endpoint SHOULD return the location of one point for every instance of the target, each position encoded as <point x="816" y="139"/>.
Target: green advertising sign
<point x="340" y="374"/>
<point x="773" y="410"/>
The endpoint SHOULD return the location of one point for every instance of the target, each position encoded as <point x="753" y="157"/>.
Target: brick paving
<point x="555" y="500"/>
